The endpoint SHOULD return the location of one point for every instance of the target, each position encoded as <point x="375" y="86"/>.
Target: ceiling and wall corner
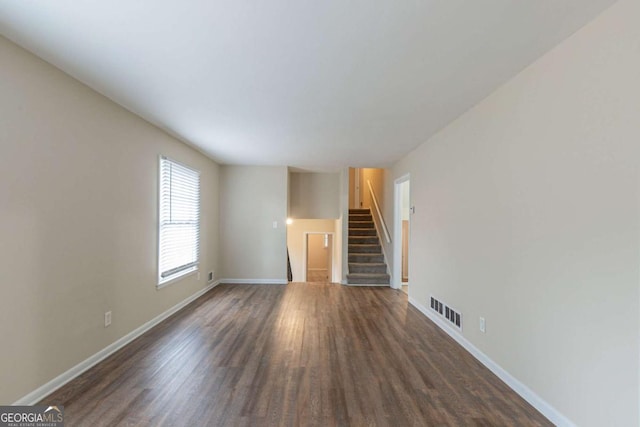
<point x="323" y="85"/>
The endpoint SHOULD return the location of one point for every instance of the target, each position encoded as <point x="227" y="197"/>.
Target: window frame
<point x="175" y="277"/>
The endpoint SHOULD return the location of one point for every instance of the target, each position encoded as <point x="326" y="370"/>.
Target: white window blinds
<point x="179" y="240"/>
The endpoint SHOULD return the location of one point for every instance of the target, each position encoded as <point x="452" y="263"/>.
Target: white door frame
<point x="356" y="188"/>
<point x="305" y="253"/>
<point x="396" y="282"/>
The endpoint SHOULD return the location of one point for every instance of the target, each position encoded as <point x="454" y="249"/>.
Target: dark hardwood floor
<point x="296" y="355"/>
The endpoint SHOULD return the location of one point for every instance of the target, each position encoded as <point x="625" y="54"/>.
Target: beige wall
<point x="314" y="195"/>
<point x="252" y="198"/>
<point x="528" y="214"/>
<point x="295" y="242"/>
<point x="318" y="256"/>
<point x="376" y="177"/>
<point x="78" y="222"/>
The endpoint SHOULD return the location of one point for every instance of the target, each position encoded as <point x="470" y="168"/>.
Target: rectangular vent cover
<point x="454" y="317"/>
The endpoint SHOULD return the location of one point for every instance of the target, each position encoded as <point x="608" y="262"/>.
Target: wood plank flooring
<point x="301" y="354"/>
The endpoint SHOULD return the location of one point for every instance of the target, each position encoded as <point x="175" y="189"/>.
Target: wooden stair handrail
<point x="387" y="236"/>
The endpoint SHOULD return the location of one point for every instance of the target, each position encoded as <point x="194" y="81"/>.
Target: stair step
<point x="362" y="232"/>
<point x="363" y="240"/>
<point x="368" y="279"/>
<point x="365" y="258"/>
<point x="366" y="267"/>
<point x="366" y="261"/>
<point x="369" y="249"/>
<point x="361" y="224"/>
<point x="360" y="217"/>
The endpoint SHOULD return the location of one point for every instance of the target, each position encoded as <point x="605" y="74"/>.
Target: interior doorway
<point x="355" y="191"/>
<point x="318" y="257"/>
<point x="402" y="227"/>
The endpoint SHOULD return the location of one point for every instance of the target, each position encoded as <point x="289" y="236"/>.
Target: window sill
<point x="176" y="278"/>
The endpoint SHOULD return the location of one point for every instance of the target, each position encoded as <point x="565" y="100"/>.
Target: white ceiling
<point x="313" y="84"/>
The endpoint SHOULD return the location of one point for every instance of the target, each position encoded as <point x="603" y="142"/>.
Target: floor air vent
<point x="453" y="316"/>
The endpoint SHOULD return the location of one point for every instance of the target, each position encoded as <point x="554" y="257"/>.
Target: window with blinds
<point x="179" y="216"/>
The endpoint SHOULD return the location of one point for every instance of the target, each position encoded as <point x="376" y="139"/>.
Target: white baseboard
<point x="43" y="391"/>
<point x="525" y="392"/>
<point x="254" y="281"/>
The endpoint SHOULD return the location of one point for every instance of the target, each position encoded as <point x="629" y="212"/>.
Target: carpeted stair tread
<point x="361" y="224"/>
<point x="364" y="240"/>
<point x="365" y="258"/>
<point x="368" y="249"/>
<point x="368" y="279"/>
<point x="360" y="218"/>
<point x="367" y="267"/>
<point x="362" y="232"/>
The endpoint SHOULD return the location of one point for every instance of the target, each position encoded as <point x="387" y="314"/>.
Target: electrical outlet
<point x="107" y="319"/>
<point x="483" y="325"/>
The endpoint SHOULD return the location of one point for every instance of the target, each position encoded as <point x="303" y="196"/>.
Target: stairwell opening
<point x="402" y="226"/>
<point x="365" y="255"/>
<point x="319" y="257"/>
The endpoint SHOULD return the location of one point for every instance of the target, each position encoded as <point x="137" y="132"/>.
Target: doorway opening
<point x="318" y="257"/>
<point x="402" y="226"/>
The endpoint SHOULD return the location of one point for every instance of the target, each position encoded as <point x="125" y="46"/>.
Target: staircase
<point x="366" y="261"/>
